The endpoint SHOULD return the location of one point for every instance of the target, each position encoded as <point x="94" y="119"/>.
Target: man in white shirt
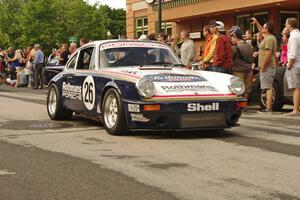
<point x="187" y="50"/>
<point x="293" y="66"/>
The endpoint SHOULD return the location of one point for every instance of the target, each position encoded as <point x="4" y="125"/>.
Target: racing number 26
<point x="89" y="95"/>
<point x="89" y="92"/>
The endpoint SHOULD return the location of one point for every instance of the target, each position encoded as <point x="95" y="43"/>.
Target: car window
<point x="85" y="59"/>
<point x="93" y="62"/>
<point x="137" y="56"/>
<point x="72" y="63"/>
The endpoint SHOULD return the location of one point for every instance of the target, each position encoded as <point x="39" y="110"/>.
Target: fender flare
<point x="108" y="85"/>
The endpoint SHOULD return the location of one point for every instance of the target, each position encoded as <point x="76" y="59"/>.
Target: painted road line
<point x="6" y="172"/>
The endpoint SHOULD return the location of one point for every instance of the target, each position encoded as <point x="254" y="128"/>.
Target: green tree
<point x="52" y="22"/>
<point x="9" y="21"/>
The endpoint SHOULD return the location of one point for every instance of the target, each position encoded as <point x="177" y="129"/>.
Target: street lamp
<point x="159" y="18"/>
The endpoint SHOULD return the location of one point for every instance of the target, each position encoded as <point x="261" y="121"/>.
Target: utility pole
<point x="159" y="16"/>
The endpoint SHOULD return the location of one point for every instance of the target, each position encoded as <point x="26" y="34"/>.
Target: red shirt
<point x="223" y="54"/>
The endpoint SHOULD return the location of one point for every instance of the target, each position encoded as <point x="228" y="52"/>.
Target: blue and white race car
<point x="142" y="85"/>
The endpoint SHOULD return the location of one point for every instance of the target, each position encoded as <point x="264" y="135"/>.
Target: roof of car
<point x="99" y="42"/>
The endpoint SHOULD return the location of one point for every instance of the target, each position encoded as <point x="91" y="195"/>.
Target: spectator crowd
<point x="25" y="68"/>
<point x="244" y="55"/>
<point x="225" y="51"/>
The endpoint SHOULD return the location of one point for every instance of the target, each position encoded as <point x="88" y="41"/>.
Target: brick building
<point x="192" y="15"/>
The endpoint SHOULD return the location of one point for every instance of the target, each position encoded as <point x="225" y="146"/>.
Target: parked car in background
<point x="51" y="70"/>
<point x="282" y="95"/>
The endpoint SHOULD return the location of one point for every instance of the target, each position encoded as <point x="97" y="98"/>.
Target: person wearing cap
<point x="266" y="62"/>
<point x="223" y="54"/>
<point x="38" y="67"/>
<point x="242" y="59"/>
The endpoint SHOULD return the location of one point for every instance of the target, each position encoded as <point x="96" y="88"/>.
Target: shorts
<point x="267" y="78"/>
<point x="293" y="77"/>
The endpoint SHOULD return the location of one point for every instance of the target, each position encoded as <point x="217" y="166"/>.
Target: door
<point x="83" y="82"/>
<point x="68" y="90"/>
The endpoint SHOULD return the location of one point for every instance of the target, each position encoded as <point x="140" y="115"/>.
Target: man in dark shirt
<point x="223" y="55"/>
<point x="242" y="59"/>
<point x="64" y="55"/>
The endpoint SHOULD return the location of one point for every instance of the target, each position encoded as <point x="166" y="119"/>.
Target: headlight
<point x="146" y="88"/>
<point x="236" y="86"/>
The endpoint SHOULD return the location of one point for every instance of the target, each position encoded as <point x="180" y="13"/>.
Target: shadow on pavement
<point x="182" y="135"/>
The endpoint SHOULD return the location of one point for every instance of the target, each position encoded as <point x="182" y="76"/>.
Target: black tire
<point x="56" y="111"/>
<point x="114" y="125"/>
<point x="277" y="99"/>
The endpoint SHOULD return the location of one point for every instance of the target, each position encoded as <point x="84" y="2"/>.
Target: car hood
<point x="177" y="82"/>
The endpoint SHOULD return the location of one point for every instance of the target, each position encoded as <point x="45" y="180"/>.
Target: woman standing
<point x="284" y="48"/>
<point x="29" y="67"/>
<point x="17" y="60"/>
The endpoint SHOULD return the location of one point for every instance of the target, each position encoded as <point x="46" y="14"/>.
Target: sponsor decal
<point x="165" y="77"/>
<point x="193" y="88"/>
<point x="134" y="108"/>
<point x="132" y="44"/>
<point x="138" y="118"/>
<point x="71" y="91"/>
<point x="195" y="107"/>
<point x="89" y="92"/>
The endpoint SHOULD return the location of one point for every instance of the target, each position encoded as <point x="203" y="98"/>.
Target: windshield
<point x="138" y="56"/>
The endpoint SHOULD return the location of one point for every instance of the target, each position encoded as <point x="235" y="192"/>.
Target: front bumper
<point x="195" y="115"/>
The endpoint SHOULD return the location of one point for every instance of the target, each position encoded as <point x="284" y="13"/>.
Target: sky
<point x="111" y="3"/>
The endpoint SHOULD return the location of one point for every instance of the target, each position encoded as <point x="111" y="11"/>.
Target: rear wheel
<point x="113" y="114"/>
<point x="55" y="108"/>
<point x="277" y="102"/>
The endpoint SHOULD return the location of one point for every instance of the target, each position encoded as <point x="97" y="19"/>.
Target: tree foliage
<point x="51" y="22"/>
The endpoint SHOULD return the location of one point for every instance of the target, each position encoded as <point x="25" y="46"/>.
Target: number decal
<point x="88" y="92"/>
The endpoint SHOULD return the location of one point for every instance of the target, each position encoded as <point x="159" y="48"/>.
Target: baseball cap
<point x="220" y="25"/>
<point x="143" y="37"/>
<point x="235" y="30"/>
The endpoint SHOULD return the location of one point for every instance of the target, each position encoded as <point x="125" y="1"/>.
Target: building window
<point x="243" y="21"/>
<point x="287" y="14"/>
<point x="141" y="26"/>
<point x="166" y="27"/>
<point x="262" y="18"/>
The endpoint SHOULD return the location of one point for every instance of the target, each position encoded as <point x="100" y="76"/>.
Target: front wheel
<point x="55" y="108"/>
<point x="113" y="114"/>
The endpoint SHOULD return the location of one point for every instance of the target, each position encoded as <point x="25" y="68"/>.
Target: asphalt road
<point x="77" y="159"/>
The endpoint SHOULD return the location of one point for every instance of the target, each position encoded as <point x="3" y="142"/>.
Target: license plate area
<point x="203" y="120"/>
